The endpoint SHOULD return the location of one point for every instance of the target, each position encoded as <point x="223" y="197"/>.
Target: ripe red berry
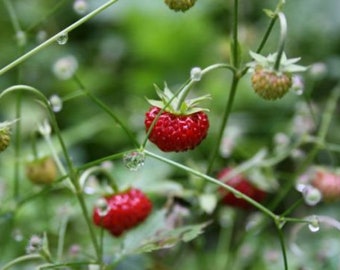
<point x="242" y="184"/>
<point x="177" y="133"/>
<point x="328" y="183"/>
<point x="125" y="210"/>
<point x="270" y="85"/>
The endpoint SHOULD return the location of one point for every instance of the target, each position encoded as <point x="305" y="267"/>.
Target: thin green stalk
<point x="101" y="160"/>
<point x="13" y="16"/>
<point x="21" y="259"/>
<point x="320" y="141"/>
<point x="72" y="171"/>
<point x="266" y="34"/>
<point x="283" y="36"/>
<point x="235" y="51"/>
<point x="105" y="108"/>
<point x="186" y="89"/>
<point x="61" y="237"/>
<point x="226" y="115"/>
<point x="282" y="244"/>
<point x="54" y="38"/>
<point x="213" y="181"/>
<point x="17" y="150"/>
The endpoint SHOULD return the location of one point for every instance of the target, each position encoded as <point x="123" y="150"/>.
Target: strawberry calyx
<point x="268" y="63"/>
<point x="176" y="103"/>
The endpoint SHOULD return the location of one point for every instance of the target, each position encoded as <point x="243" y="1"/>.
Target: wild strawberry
<point x="272" y="83"/>
<point x="176" y="129"/>
<point x="41" y="171"/>
<point x="242" y="184"/>
<point x="176" y="132"/>
<point x="4" y="136"/>
<point x="125" y="210"/>
<point x="180" y="5"/>
<point x="328" y="183"/>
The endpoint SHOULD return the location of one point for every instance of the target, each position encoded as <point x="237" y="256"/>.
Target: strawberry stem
<point x="283" y="36"/>
<point x="98" y="170"/>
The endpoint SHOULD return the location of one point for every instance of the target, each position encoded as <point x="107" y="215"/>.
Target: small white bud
<point x="196" y="74"/>
<point x="65" y="67"/>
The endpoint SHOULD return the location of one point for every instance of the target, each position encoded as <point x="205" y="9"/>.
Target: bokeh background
<point x="121" y="53"/>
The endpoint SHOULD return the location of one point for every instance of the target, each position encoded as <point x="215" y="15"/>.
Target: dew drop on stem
<point x="134" y="160"/>
<point x="313" y="224"/>
<point x="56" y="103"/>
<point x="62" y="38"/>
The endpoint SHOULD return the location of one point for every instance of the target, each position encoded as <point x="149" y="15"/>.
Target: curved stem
<point x="214" y="181"/>
<point x="283" y="36"/>
<point x="98" y="170"/>
<point x="72" y="171"/>
<point x="224" y="122"/>
<point x="321" y="136"/>
<point x="22" y="259"/>
<point x="56" y="36"/>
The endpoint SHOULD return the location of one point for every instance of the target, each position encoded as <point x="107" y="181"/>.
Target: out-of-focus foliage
<point x="121" y="53"/>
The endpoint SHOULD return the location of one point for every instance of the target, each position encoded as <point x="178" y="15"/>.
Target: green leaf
<point x="168" y="238"/>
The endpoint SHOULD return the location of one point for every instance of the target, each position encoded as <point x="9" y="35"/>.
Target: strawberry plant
<point x="231" y="165"/>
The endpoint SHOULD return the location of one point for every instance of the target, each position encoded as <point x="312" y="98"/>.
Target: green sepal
<point x="169" y="102"/>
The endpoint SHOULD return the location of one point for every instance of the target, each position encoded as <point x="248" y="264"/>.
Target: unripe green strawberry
<point x="269" y="80"/>
<point x="270" y="85"/>
<point x="180" y="5"/>
<point x="41" y="171"/>
<point x="328" y="183"/>
<point x="4" y="138"/>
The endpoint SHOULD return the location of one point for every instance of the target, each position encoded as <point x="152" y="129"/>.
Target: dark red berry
<point x="242" y="184"/>
<point x="176" y="133"/>
<point x="124" y="211"/>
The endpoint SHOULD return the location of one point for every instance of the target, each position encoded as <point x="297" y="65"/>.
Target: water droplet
<point x="56" y="103"/>
<point x="17" y="235"/>
<point x="41" y="36"/>
<point x="196" y="74"/>
<point x="80" y="7"/>
<point x="313" y="224"/>
<point x="92" y="185"/>
<point x="311" y="195"/>
<point x="62" y="38"/>
<point x="102" y="207"/>
<point x="65" y="67"/>
<point x="21" y="38"/>
<point x="45" y="128"/>
<point x="134" y="160"/>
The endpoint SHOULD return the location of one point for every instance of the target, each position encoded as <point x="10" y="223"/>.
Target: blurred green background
<point x="121" y="53"/>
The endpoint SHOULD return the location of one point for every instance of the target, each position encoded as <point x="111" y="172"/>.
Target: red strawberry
<point x="328" y="183"/>
<point x="181" y="125"/>
<point x="125" y="210"/>
<point x="241" y="184"/>
<point x="176" y="132"/>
